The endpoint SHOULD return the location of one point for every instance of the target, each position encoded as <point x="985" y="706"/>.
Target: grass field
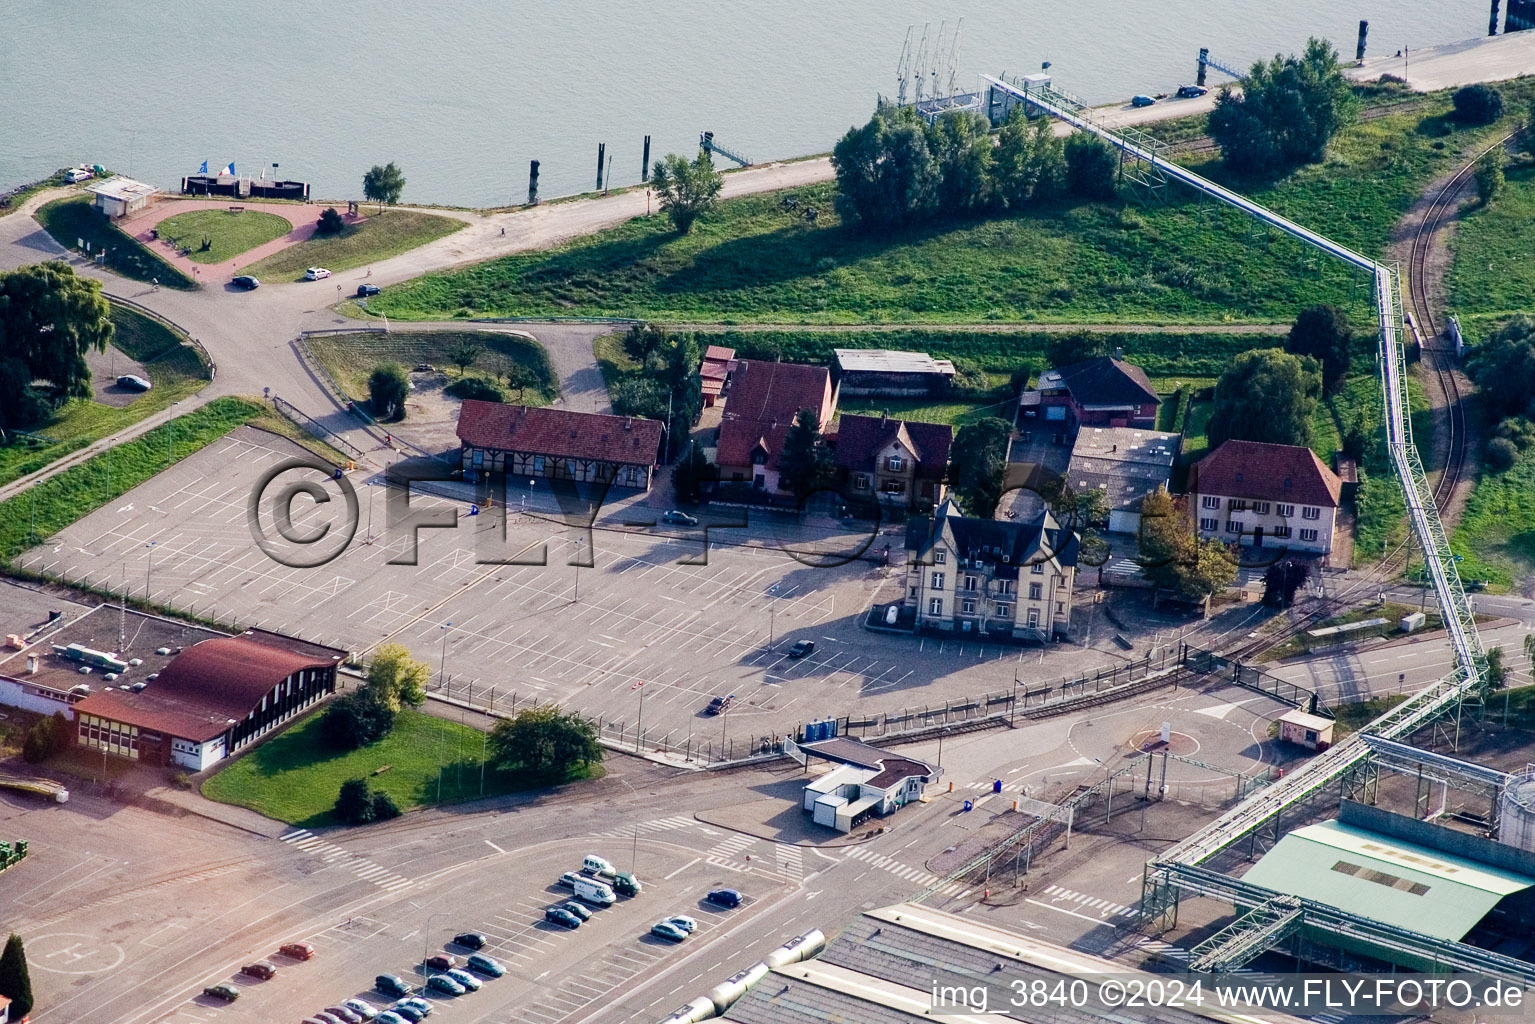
<point x="960" y="410"/>
<point x="294" y="777"/>
<point x="39" y="512"/>
<point x="1183" y="260"/>
<point x="1496" y="536"/>
<point x="376" y="238"/>
<point x="173" y="367"/>
<point x="72" y="220"/>
<point x="351" y="358"/>
<point x="1494" y="270"/>
<point x="230" y="234"/>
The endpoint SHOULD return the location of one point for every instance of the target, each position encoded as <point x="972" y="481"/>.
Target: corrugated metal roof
<point x="1386" y="879"/>
<point x="884" y="360"/>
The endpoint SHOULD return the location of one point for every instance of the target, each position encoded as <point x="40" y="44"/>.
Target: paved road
<point x="1487" y="59"/>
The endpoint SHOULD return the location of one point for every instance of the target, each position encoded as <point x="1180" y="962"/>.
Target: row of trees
<point x="49" y="319"/>
<point x="898" y="169"/>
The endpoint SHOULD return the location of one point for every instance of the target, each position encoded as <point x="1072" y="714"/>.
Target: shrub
<point x="384" y="807"/>
<point x="387" y="389"/>
<point x="355" y="720"/>
<point x="39" y="742"/>
<point x="1501" y="453"/>
<point x="354" y="804"/>
<point x="1090" y="167"/>
<point x="1478" y="104"/>
<point x="330" y="222"/>
<point x="477" y="388"/>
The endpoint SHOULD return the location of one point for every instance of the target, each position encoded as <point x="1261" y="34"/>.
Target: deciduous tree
<point x="1490" y="180"/>
<point x="1323" y="333"/>
<point x="544" y="742"/>
<point x="330" y="222"/>
<point x="1288" y="109"/>
<point x="1090" y="167"/>
<point x="1029" y="163"/>
<point x="686" y="190"/>
<point x="383" y="184"/>
<point x="962" y="147"/>
<point x="465" y="353"/>
<point x="354" y="804"/>
<point x="388" y="387"/>
<point x="1503" y="367"/>
<point x="806" y="462"/>
<point x="354" y="720"/>
<point x="1266" y="395"/>
<point x="1478" y="103"/>
<point x="978" y="464"/>
<point x="396" y="679"/>
<point x="886" y="174"/>
<point x="49" y="319"/>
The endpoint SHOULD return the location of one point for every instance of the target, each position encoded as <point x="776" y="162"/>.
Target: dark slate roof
<point x="206" y="685"/>
<point x="989" y="540"/>
<point x="892" y="767"/>
<point x="1266" y="472"/>
<point x="559" y="432"/>
<point x="1103" y="381"/>
<point x="861" y="438"/>
<point x="764" y="399"/>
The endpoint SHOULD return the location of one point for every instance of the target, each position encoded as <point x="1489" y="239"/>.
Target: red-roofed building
<point x="894" y="461"/>
<point x="764" y="399"/>
<point x="1276" y="496"/>
<point x="211" y="699"/>
<point x="559" y="444"/>
<point x="714" y="374"/>
<point x="1102" y="392"/>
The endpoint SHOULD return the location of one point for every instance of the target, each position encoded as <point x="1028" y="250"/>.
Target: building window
<point x="968" y="607"/>
<point x="1310" y="512"/>
<point x="861" y="482"/>
<point x="940" y="557"/>
<point x="1210" y="501"/>
<point x="937" y="582"/>
<point x="969" y="582"/>
<point x="1060" y="608"/>
<point x="1034" y="592"/>
<point x="1237" y="505"/>
<point x="1210" y="524"/>
<point x="1005" y="611"/>
<point x="1038" y="568"/>
<point x="935" y="606"/>
<point x="538" y="463"/>
<point x="1284" y="510"/>
<point x="1261" y="507"/>
<point x="1232" y="526"/>
<point x="913" y="593"/>
<point x="1309" y="536"/>
<point x="1004" y="586"/>
<point x="1281" y="531"/>
<point x="895" y="463"/>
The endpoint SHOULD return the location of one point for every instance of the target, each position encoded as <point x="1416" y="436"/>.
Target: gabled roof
<point x="1266" y="472"/>
<point x="560" y="433"/>
<point x="861" y="438"/>
<point x="1385" y="878"/>
<point x="1102" y="382"/>
<point x="764" y="399"/>
<point x="1005" y="545"/>
<point x="206" y="685"/>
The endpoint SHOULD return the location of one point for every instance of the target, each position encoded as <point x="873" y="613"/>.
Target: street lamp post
<point x="576" y="567"/>
<point x="426" y="943"/>
<point x="442" y="680"/>
<point x="149" y="567"/>
<point x="772" y="593"/>
<point x="639" y="719"/>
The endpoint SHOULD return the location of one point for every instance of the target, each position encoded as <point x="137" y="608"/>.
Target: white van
<point x="595" y="865"/>
<point x="594" y="892"/>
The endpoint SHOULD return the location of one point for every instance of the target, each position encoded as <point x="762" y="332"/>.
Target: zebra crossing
<point x="790" y="861"/>
<point x="895" y="867"/>
<point x="1105" y="908"/>
<point x="647" y="827"/>
<point x="721" y="853"/>
<point x="362" y="867"/>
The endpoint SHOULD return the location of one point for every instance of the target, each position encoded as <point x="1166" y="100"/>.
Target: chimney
<point x="31" y="664"/>
<point x="628" y="422"/>
<point x="1119" y="353"/>
<point x="884" y="417"/>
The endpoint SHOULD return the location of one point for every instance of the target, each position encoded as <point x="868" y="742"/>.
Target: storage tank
<point x="801" y="947"/>
<point x="735" y="986"/>
<point x="1516" y="810"/>
<point x="694" y="1011"/>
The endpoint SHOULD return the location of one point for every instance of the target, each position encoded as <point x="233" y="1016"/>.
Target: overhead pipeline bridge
<point x="1466" y="679"/>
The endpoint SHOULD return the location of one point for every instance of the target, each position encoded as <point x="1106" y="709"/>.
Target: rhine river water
<point x="462" y="94"/>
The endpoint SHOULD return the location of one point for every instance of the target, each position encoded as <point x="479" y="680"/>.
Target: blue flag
<point x="204" y="168"/>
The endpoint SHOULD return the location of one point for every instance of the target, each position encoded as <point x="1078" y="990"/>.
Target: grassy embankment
<point x="229" y="234"/>
<point x="295" y="777"/>
<point x="1494" y="276"/>
<point x="376" y="238"/>
<point x="72" y="220"/>
<point x="351" y="358"/>
<point x="174" y="367"/>
<point x="39" y="512"/>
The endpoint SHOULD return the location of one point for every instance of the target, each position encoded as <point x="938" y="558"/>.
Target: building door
<point x="1257" y="536"/>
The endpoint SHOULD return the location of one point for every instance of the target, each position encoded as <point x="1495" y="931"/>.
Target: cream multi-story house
<point x="1273" y="496"/>
<point x="990" y="578"/>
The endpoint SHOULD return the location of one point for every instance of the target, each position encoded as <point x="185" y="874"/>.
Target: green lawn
<point x="1494" y="271"/>
<point x="377" y="238"/>
<point x="228" y="234"/>
<point x="1181" y="261"/>
<point x="174" y="368"/>
<point x="294" y="777"/>
<point x="39" y="512"/>
<point x="351" y="358"/>
<point x="72" y="220"/>
<point x="1496" y="536"/>
<point x="959" y="410"/>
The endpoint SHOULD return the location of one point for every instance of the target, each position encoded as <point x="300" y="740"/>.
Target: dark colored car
<point x="485" y="965"/>
<point x="725" y="898"/>
<point x="471" y="940"/>
<point x="562" y="917"/>
<point x="226" y="992"/>
<point x="581" y="910"/>
<point x="364" y="290"/>
<point x="260" y="969"/>
<point x="1142" y="101"/>
<point x="411" y="1010"/>
<point x="297" y="950"/>
<point x="391" y="985"/>
<point x="720" y="704"/>
<point x="247" y="282"/>
<point x="326" y="1017"/>
<point x="676" y="518"/>
<point x="1188" y="92"/>
<point x="801" y="648"/>
<point x="442" y="962"/>
<point x="446" y="985"/>
<point x="345" y="1013"/>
